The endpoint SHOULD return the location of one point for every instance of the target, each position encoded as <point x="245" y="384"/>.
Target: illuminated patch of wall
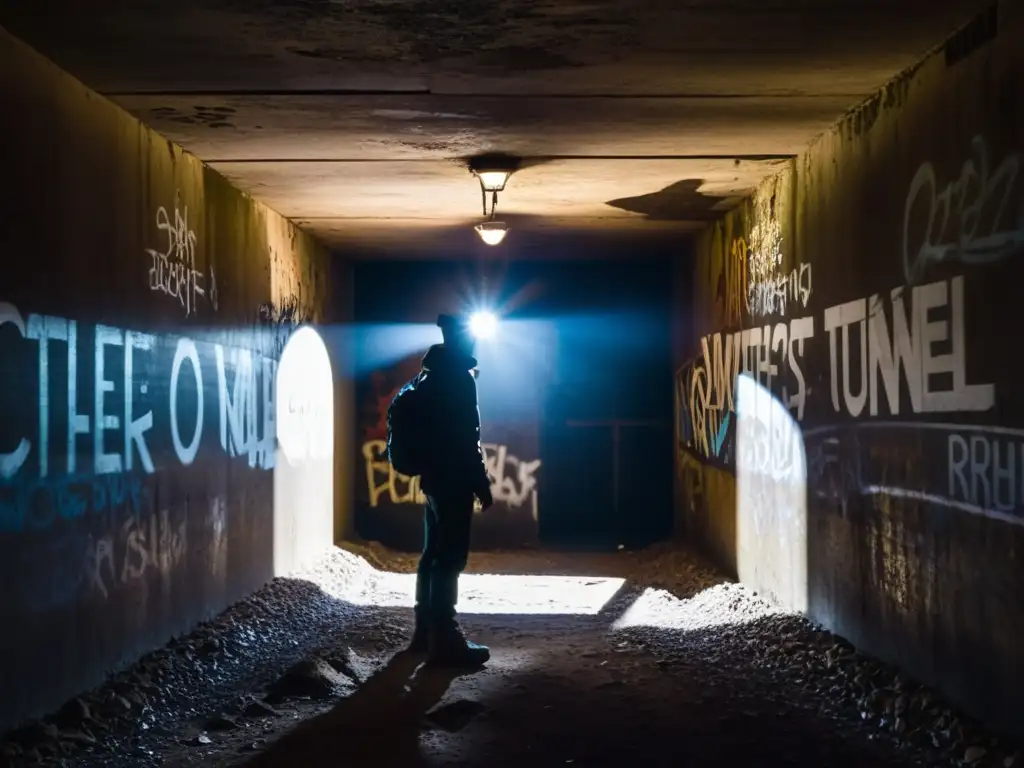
<point x="304" y="469"/>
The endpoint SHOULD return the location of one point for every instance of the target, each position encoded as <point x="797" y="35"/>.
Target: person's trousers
<point x="447" y="521"/>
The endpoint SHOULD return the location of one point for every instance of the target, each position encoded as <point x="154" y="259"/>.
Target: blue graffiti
<point x="723" y="431"/>
<point x="39" y="505"/>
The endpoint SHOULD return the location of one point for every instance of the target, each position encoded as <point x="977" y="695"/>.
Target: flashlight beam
<point x="483" y="324"/>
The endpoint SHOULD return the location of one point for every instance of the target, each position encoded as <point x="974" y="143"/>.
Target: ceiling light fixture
<point x="493" y="172"/>
<point x="492" y="232"/>
<point x="492" y="181"/>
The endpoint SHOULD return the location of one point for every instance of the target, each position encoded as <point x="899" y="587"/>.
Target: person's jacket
<point x="457" y="461"/>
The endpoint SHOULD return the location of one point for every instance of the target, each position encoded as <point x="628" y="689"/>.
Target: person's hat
<point x="453" y="331"/>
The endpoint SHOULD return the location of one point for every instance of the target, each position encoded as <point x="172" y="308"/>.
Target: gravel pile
<point x="218" y="673"/>
<point x="723" y="605"/>
<point x="755" y="650"/>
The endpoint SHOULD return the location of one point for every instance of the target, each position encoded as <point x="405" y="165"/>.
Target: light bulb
<point x="492" y="232"/>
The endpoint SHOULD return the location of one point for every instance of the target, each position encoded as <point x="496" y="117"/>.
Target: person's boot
<point x="450" y="648"/>
<point x="420" y="642"/>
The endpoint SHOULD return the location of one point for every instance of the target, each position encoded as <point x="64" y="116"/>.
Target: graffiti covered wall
<point x="848" y="433"/>
<point x="142" y="319"/>
<point x="739" y="398"/>
<point x="390" y="504"/>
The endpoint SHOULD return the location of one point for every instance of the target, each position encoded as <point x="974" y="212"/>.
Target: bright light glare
<point x="502" y="594"/>
<point x="492" y="232"/>
<point x="483" y="324"/>
<point x="303" y="488"/>
<point x="304" y="404"/>
<point x="493" y="181"/>
<point x="377" y="346"/>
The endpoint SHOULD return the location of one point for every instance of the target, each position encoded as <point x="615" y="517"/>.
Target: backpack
<point x="408" y="446"/>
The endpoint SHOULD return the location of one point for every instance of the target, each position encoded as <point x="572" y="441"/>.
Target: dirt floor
<point x="678" y="667"/>
<point x="567" y="690"/>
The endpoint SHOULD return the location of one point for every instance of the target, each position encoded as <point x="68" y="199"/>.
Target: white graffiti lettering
<point x="764" y="255"/>
<point x="984" y="465"/>
<point x="10" y="462"/>
<point x="770" y="289"/>
<point x="987" y="471"/>
<point x="173" y="270"/>
<point x="120" y="427"/>
<point x="771" y="296"/>
<point x="513" y="482"/>
<point x="186" y="350"/>
<point x="240" y="432"/>
<point x="965" y="221"/>
<point x="869" y="352"/>
<point x="140" y="547"/>
<point x="758" y="352"/>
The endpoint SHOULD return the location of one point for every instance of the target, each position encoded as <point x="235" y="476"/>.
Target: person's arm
<point x="476" y="461"/>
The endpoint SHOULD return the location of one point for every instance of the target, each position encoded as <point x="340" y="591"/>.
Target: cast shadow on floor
<point x="378" y="724"/>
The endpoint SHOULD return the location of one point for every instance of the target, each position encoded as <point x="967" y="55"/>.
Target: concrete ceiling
<point x="355" y="118"/>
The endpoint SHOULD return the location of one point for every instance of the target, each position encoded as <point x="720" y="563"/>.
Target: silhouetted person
<point x="455" y="473"/>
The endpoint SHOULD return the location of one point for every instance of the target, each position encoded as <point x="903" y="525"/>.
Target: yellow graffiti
<point x="382" y="478"/>
<point x="513" y="480"/>
<point x="736" y="282"/>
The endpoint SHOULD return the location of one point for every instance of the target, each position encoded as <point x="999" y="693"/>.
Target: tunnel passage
<point x="575" y="428"/>
<point x="844" y="438"/>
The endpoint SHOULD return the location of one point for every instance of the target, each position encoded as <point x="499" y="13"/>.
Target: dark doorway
<point x="608" y="474"/>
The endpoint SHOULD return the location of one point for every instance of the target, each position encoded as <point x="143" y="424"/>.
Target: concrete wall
<point x="145" y="311"/>
<point x="338" y="335"/>
<point x="866" y="464"/>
